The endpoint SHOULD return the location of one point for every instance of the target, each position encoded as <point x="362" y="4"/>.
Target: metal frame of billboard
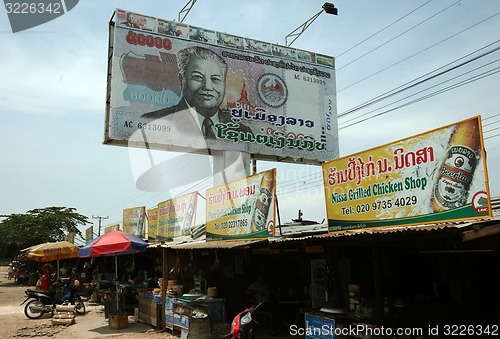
<point x="286" y="96"/>
<point x="436" y="176"/>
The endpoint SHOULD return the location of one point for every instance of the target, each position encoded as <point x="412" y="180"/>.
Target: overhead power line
<point x="420" y="80"/>
<point x="415" y="54"/>
<point x="383" y="29"/>
<point x="441" y="91"/>
<point x="487" y="118"/>
<point x="399" y="35"/>
<point x="493" y="136"/>
<point x="426" y="89"/>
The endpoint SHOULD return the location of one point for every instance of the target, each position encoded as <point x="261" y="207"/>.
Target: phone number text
<point x="379" y="205"/>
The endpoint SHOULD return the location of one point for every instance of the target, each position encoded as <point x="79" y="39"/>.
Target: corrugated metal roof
<point x="290" y="236"/>
<point x="206" y="245"/>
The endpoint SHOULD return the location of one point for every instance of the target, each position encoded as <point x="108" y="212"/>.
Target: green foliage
<point x="19" y="231"/>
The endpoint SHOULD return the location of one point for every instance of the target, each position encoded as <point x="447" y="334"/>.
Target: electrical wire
<point x="491" y="123"/>
<point x="491" y="117"/>
<point x="491" y="130"/>
<point x="416" y="81"/>
<point x="383" y="29"/>
<point x="424" y="90"/>
<point x="441" y="91"/>
<point x="415" y="54"/>
<point x="492" y="136"/>
<point x="399" y="35"/>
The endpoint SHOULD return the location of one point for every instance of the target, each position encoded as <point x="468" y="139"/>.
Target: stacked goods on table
<point x="64" y="315"/>
<point x="173" y="288"/>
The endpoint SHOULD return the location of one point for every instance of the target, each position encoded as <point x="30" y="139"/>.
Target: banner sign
<point x="176" y="217"/>
<point x="112" y="228"/>
<point x="433" y="177"/>
<point x="89" y="234"/>
<point x="134" y="219"/>
<point x="242" y="209"/>
<point x="152" y="224"/>
<point x="166" y="78"/>
<point x="70" y="237"/>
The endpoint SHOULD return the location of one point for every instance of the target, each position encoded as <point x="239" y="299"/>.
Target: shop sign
<point x="111" y="228"/>
<point x="70" y="237"/>
<point x="89" y="234"/>
<point x="152" y="224"/>
<point x="133" y="220"/>
<point x="270" y="100"/>
<point x="436" y="176"/>
<point x="176" y="217"/>
<point x="242" y="209"/>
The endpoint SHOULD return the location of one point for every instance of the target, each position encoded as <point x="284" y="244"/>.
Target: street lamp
<point x="327" y="7"/>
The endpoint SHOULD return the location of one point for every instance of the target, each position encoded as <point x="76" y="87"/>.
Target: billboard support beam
<point x="186" y="9"/>
<point x="327" y="7"/>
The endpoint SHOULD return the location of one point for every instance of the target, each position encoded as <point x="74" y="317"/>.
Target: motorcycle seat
<point x="47" y="293"/>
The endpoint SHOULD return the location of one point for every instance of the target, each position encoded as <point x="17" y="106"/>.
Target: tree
<point x="19" y="231"/>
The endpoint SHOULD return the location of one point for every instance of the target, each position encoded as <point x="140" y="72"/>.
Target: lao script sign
<point x="260" y="98"/>
<point x="433" y="177"/>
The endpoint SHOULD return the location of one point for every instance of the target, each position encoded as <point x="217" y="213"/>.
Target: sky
<point x="52" y="97"/>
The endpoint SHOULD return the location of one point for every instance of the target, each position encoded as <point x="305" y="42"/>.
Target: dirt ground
<point x="14" y="324"/>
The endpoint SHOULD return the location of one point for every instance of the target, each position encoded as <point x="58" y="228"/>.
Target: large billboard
<point x="183" y="88"/>
<point x="242" y="209"/>
<point x="134" y="220"/>
<point x="176" y="217"/>
<point x="433" y="177"/>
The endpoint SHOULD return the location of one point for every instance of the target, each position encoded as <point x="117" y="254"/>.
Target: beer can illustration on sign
<point x="263" y="202"/>
<point x="451" y="188"/>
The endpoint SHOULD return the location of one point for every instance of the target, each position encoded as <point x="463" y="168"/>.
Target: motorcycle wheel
<point x="80" y="307"/>
<point x="31" y="313"/>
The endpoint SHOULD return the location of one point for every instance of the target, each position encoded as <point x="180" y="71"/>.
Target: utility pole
<point x="100" y="218"/>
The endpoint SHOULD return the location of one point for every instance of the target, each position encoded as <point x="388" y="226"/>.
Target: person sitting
<point x="45" y="279"/>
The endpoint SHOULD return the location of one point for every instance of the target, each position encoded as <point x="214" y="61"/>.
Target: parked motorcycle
<point x="40" y="302"/>
<point x="243" y="325"/>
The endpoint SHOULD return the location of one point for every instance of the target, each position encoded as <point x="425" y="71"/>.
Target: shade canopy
<point x="113" y="243"/>
<point x="52" y="251"/>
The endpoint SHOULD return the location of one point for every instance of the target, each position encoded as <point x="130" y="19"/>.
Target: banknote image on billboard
<point x="242" y="209"/>
<point x="152" y="224"/>
<point x="108" y="229"/>
<point x="134" y="220"/>
<point x="434" y="177"/>
<point x="184" y="88"/>
<point x="176" y="217"/>
<point x="89" y="234"/>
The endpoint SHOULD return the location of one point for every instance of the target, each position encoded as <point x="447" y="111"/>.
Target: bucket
<point x="117" y="321"/>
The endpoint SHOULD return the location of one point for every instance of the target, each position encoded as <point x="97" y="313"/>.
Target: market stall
<point x="115" y="243"/>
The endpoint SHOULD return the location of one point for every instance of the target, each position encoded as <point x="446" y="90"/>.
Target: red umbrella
<point x="113" y="243"/>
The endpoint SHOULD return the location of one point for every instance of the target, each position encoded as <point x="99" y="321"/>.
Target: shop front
<point x="408" y="278"/>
